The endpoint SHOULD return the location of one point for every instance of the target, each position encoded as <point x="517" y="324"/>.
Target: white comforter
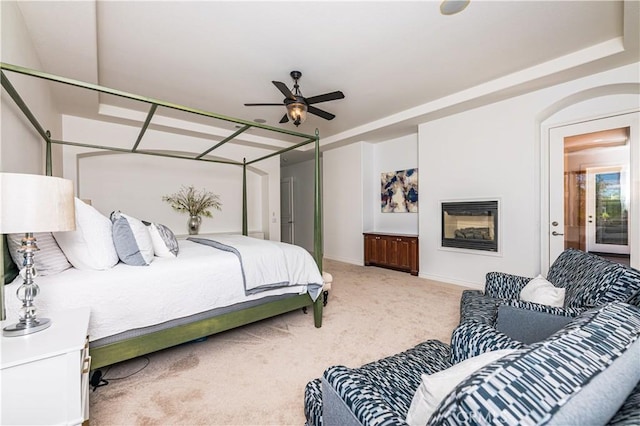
<point x="269" y="264"/>
<point x="128" y="297"/>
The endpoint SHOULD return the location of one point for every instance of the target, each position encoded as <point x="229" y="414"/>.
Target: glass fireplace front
<point x="470" y="225"/>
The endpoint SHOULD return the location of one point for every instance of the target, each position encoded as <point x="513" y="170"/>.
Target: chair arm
<point x="476" y="306"/>
<point x="553" y="310"/>
<point x="359" y="396"/>
<point x="472" y="338"/>
<point x="504" y="286"/>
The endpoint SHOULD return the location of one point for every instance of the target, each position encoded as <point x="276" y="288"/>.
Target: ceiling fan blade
<point x="284" y="119"/>
<point x="326" y="97"/>
<point x="320" y="113"/>
<point x="284" y="89"/>
<point x="280" y="104"/>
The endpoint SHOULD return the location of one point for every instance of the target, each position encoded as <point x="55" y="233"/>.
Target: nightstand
<point x="44" y="377"/>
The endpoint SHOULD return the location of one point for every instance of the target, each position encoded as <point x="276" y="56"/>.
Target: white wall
<point x="489" y="157"/>
<point x="345" y="193"/>
<point x="495" y="152"/>
<point x="490" y="152"/>
<point x="136" y="183"/>
<point x="21" y="148"/>
<point x="343" y="203"/>
<point x="370" y="187"/>
<point x="390" y="156"/>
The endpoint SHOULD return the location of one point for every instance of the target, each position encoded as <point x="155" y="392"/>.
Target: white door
<point x="286" y="210"/>
<point x="607" y="203"/>
<point x="566" y="227"/>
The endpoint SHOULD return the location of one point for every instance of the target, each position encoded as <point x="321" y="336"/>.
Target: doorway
<point x="591" y="195"/>
<point x="287" y="232"/>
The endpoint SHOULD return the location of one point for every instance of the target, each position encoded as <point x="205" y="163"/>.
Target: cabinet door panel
<point x="381" y="250"/>
<point x="369" y="242"/>
<point x="403" y="254"/>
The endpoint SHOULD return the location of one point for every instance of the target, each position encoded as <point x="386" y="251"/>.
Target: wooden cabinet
<point x="394" y="251"/>
<point x="45" y="375"/>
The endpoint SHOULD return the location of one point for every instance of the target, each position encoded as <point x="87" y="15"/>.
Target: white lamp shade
<point x="35" y="203"/>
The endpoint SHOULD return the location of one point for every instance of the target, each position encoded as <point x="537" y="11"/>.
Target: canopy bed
<point x="114" y="342"/>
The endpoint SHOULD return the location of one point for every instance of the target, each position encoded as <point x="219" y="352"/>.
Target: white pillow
<point x="90" y="246"/>
<point x="541" y="291"/>
<point x="131" y="239"/>
<point x="164" y="241"/>
<point x="435" y="387"/>
<point x="48" y="260"/>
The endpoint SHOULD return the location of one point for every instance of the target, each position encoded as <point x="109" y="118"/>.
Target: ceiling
<point x="398" y="63"/>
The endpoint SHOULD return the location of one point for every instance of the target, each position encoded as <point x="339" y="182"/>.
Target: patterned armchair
<point x="589" y="280"/>
<point x="555" y="381"/>
<point x="389" y="384"/>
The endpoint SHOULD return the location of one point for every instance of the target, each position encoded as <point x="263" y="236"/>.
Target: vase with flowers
<point x="197" y="203"/>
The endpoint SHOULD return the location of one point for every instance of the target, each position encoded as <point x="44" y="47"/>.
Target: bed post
<point x="48" y="164"/>
<point x="244" y="197"/>
<point x="317" y="228"/>
<point x="317" y="216"/>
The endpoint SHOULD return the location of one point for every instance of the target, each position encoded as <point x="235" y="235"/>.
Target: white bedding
<point x="269" y="264"/>
<point x="128" y="297"/>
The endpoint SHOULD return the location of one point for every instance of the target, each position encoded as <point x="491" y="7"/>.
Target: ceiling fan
<point x="297" y="105"/>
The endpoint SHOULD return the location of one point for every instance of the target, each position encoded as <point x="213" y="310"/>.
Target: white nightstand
<point x="44" y="377"/>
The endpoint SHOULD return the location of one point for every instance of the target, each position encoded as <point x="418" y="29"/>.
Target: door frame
<point x="629" y="118"/>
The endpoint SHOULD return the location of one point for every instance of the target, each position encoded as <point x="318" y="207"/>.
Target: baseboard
<point x="449" y="280"/>
<point x="358" y="262"/>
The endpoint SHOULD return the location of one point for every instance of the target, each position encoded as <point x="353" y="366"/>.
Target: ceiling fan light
<point x="297" y="112"/>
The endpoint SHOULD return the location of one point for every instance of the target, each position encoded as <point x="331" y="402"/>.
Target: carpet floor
<point x="256" y="374"/>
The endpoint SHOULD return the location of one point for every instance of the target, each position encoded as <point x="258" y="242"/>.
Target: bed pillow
<point x="90" y="246"/>
<point x="541" y="291"/>
<point x="164" y="241"/>
<point x="131" y="239"/>
<point x="48" y="260"/>
<point x="435" y="387"/>
<point x="10" y="268"/>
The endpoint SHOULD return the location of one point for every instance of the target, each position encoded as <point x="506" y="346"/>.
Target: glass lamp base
<point x="22" y="329"/>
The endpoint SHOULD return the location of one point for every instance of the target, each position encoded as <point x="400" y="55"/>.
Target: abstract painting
<point x="399" y="191"/>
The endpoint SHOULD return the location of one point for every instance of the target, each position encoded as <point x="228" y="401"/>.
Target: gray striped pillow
<point x="48" y="260"/>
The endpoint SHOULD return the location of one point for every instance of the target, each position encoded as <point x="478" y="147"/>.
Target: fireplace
<point x="470" y="225"/>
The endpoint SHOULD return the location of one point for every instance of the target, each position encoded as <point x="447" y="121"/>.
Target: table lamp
<point x="29" y="204"/>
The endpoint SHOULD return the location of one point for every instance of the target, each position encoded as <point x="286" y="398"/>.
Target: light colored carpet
<point x="255" y="375"/>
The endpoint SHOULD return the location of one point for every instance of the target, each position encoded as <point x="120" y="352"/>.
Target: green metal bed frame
<point x="137" y="346"/>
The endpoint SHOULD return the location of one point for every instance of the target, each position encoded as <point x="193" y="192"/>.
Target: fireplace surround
<point x="471" y="225"/>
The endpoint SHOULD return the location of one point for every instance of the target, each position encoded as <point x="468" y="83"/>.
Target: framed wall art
<point x="399" y="191"/>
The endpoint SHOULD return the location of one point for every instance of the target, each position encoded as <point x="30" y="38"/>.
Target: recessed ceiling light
<point x="451" y="7"/>
<point x="260" y="120"/>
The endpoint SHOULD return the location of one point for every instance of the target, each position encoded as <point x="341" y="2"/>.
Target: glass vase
<point x="194" y="225"/>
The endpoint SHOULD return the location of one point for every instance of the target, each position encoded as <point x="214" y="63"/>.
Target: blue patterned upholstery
<point x="389" y="382"/>
<point x="589" y="280"/>
<point x="471" y="339"/>
<point x="504" y="286"/>
<point x="475" y="306"/>
<point x="313" y="403"/>
<point x="530" y="386"/>
<point x="553" y="310"/>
